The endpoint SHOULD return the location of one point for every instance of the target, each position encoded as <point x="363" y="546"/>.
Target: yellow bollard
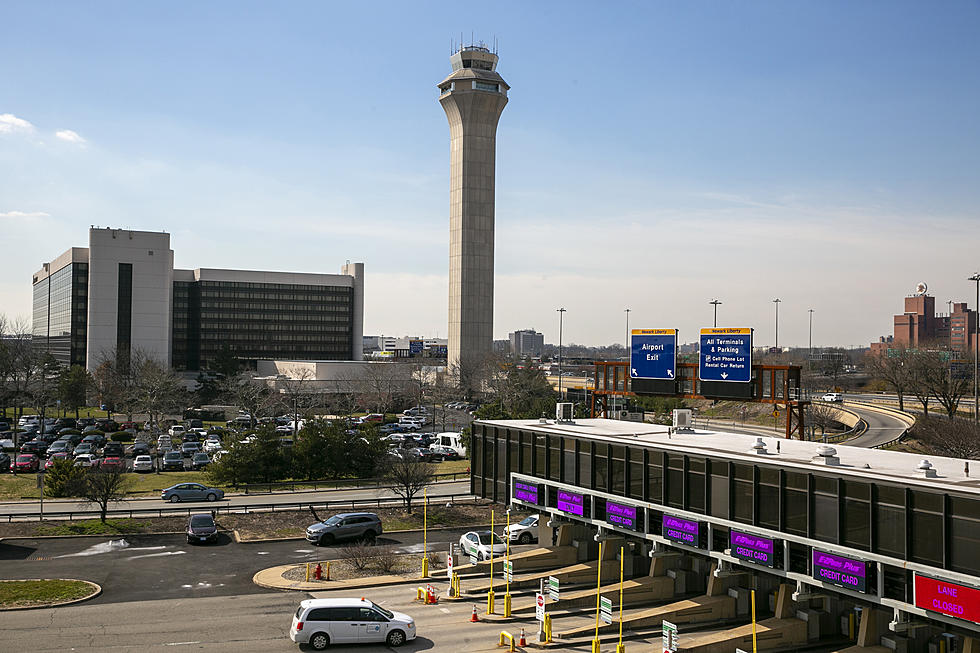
<point x="327" y="570"/>
<point x="420" y="594"/>
<point x="307" y="572"/>
<point x="490" y="602"/>
<point x="507" y="605"/>
<point x="595" y="646"/>
<point x="425" y="567"/>
<point x="620" y="648"/>
<point x="505" y="635"/>
<point x="850" y="626"/>
<point x="547" y="628"/>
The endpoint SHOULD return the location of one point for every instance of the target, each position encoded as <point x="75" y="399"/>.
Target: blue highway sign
<point x="726" y="355"/>
<point x="653" y="353"/>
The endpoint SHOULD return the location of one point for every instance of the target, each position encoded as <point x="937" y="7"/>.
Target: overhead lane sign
<point x="726" y="355"/>
<point x="653" y="353"/>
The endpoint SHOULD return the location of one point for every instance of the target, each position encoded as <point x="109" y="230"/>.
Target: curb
<point x="96" y="591"/>
<point x="71" y="537"/>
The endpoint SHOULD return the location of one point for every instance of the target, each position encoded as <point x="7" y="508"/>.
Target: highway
<point x="461" y="488"/>
<point x="882" y="428"/>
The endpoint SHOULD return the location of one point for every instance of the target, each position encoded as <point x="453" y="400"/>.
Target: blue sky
<point x="653" y="155"/>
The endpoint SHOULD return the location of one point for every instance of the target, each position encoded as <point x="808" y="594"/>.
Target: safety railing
<point x="341" y="483"/>
<point x="220" y="509"/>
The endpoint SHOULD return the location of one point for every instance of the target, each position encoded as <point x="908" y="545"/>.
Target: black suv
<point x="113" y="449"/>
<point x="173" y="461"/>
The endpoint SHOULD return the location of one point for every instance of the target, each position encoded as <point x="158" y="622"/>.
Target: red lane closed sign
<point x="539" y="607"/>
<point x="951" y="599"/>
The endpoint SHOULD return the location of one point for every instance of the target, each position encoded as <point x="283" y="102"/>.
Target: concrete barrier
<point x="540" y="558"/>
<point x="769" y="634"/>
<point x="635" y="591"/>
<point x="698" y="609"/>
<point x="583" y="572"/>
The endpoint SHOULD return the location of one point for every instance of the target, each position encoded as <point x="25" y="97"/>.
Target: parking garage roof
<point x="866" y="464"/>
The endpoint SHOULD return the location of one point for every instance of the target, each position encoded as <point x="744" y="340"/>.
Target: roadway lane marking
<point x="157" y="555"/>
<point x="96" y="549"/>
<point x="446" y="610"/>
<point x="181" y="643"/>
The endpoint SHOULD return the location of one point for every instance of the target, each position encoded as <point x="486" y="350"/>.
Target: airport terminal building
<point x="883" y="534"/>
<point x="122" y="292"/>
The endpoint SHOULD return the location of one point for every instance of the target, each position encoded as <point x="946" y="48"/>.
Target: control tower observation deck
<point x="473" y="96"/>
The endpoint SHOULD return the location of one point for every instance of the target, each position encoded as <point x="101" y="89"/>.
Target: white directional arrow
<point x="670" y="373"/>
<point x="724" y="375"/>
<point x="634" y="371"/>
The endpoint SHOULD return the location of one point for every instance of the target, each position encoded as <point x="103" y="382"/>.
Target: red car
<point x="112" y="462"/>
<point x="49" y="463"/>
<point x="25" y="462"/>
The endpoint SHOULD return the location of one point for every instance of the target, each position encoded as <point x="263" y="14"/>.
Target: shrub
<point x="121" y="436"/>
<point x="357" y="554"/>
<point x="385" y="558"/>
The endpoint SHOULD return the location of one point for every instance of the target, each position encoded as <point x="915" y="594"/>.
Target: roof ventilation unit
<point x="564" y="412"/>
<point x="759" y="447"/>
<point x="925" y="469"/>
<point x="826" y="455"/>
<point x="683" y="420"/>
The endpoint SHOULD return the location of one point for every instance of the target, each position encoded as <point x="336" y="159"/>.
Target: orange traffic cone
<point x="473" y="617"/>
<point x="523" y="640"/>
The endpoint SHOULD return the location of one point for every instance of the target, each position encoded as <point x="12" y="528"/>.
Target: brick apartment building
<point x="919" y="325"/>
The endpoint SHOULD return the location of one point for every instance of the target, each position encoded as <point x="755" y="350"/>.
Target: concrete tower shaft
<point x="473" y="97"/>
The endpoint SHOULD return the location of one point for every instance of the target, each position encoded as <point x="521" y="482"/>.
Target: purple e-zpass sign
<point x="571" y="502"/>
<point x="681" y="530"/>
<point x="524" y="491"/>
<point x="619" y="514"/>
<point x="837" y="570"/>
<point x="753" y="548"/>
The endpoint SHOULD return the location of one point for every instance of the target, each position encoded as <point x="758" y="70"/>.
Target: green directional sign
<point x="553" y="588"/>
<point x="508" y="571"/>
<point x="605" y="609"/>
<point x="669" y="637"/>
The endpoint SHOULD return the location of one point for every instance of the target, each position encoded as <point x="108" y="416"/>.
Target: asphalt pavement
<point x="460" y="488"/>
<point x="149" y="567"/>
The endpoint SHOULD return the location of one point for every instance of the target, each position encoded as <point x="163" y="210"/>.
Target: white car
<point x="833" y="396"/>
<point x="143" y="464"/>
<point x="86" y="460"/>
<point x="480" y="543"/>
<point x="177" y="429"/>
<point x="521" y="531"/>
<point x="322" y="622"/>
<point x="210" y="446"/>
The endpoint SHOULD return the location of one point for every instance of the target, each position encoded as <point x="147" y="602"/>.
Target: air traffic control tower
<point x="473" y="96"/>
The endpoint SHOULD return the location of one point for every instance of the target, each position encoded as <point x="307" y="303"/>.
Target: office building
<point x="473" y="96"/>
<point x="919" y="325"/>
<point x="122" y="293"/>
<point x="526" y="342"/>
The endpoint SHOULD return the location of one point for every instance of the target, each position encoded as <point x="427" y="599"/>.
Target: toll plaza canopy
<point x="881" y="526"/>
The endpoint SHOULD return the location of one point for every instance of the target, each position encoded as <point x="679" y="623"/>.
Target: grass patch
<point x="26" y="593"/>
<point x="94" y="527"/>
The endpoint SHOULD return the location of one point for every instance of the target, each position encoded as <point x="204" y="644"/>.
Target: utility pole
<point x="776" y="302"/>
<point x="715" y="303"/>
<point x="627" y="334"/>
<point x="561" y="319"/>
<point x="976" y="343"/>
<point x="809" y="346"/>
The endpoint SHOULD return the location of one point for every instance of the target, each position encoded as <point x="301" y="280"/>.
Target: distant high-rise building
<point x="526" y="342"/>
<point x="920" y="326"/>
<point x="473" y="97"/>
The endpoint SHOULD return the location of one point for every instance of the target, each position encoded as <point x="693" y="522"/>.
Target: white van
<point x="164" y="443"/>
<point x="321" y="622"/>
<point x="451" y="440"/>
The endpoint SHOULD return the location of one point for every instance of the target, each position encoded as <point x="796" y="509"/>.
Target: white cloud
<point x="25" y="214"/>
<point x="70" y="136"/>
<point x="9" y="123"/>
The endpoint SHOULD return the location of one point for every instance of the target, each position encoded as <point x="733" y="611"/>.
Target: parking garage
<point x="877" y="549"/>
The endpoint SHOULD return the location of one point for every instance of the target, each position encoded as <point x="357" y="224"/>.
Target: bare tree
<point x="20" y="365"/>
<point x="104" y="486"/>
<point x="957" y="438"/>
<point x="407" y="478"/>
<point x="823" y="416"/>
<point x="254" y="397"/>
<point x="383" y="386"/>
<point x="154" y="389"/>
<point x="894" y="368"/>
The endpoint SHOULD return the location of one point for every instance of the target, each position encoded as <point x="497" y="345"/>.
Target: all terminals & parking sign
<point x="726" y="355"/>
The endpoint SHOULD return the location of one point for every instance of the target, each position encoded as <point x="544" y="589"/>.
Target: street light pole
<point x="776" y="302"/>
<point x="561" y="319"/>
<point x="715" y="302"/>
<point x="627" y="334"/>
<point x="809" y="346"/>
<point x="976" y="344"/>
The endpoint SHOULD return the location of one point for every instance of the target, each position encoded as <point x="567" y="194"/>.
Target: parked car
<point x="86" y="460"/>
<point x="83" y="447"/>
<point x="5" y="464"/>
<point x="210" y="446"/>
<point x="481" y="543"/>
<point x="72" y="439"/>
<point x="139" y="449"/>
<point x="833" y="396"/>
<point x="25" y="463"/>
<point x="173" y="461"/>
<point x="321" y="622"/>
<point x="113" y="462"/>
<point x="143" y="464"/>
<point x="522" y="532"/>
<point x="389" y="428"/>
<point x="61" y="455"/>
<point x="191" y="492"/>
<point x="200" y="460"/>
<point x="113" y="449"/>
<point x="188" y="449"/>
<point x="345" y="526"/>
<point x="201" y="528"/>
<point x="36" y="446"/>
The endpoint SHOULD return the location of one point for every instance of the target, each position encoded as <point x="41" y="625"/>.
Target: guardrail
<point x="345" y="483"/>
<point x="227" y="510"/>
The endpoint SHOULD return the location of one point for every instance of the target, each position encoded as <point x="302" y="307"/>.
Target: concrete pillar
<point x="868" y="628"/>
<point x="785" y="606"/>
<point x="971" y="645"/>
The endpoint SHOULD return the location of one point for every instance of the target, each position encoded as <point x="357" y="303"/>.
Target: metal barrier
<point x="342" y="483"/>
<point x="504" y="635"/>
<point x="208" y="506"/>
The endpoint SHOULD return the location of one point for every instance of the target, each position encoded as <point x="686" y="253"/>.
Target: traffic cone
<point x="473" y="617"/>
<point x="523" y="640"/>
